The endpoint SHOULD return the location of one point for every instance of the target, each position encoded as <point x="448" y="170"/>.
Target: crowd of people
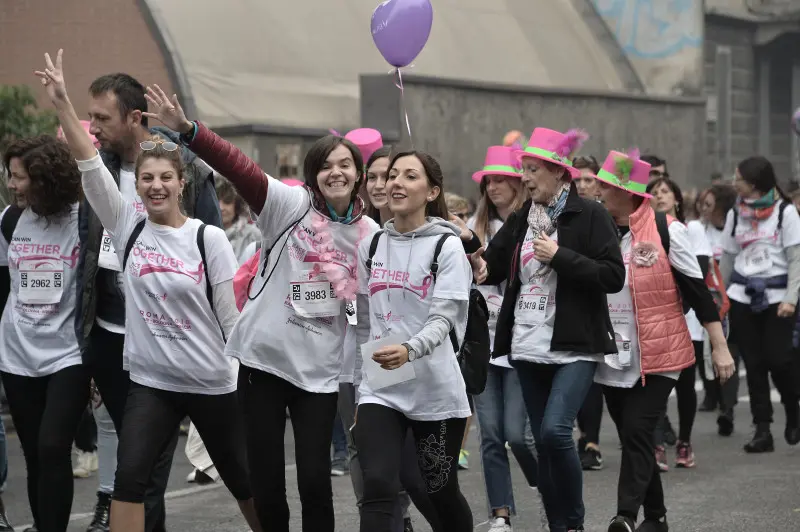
<point x="158" y="273"/>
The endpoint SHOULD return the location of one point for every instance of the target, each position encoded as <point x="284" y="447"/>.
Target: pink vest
<point x="664" y="340"/>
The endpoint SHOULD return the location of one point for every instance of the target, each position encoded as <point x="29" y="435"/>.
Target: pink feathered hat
<point x="626" y="171"/>
<point x="500" y="160"/>
<point x="555" y="147"/>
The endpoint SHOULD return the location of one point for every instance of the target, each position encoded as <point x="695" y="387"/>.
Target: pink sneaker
<point x="661" y="458"/>
<point x="685" y="455"/>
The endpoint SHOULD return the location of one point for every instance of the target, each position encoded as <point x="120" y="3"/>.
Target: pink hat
<point x="368" y="141"/>
<point x="86" y="125"/>
<point x="555" y="147"/>
<point x="626" y="171"/>
<point x="500" y="160"/>
<point x="292" y="182"/>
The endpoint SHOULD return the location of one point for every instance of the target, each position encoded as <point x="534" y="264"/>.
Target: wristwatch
<point x="412" y="355"/>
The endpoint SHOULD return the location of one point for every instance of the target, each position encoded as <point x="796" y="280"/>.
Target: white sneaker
<point x="83" y="465"/>
<point x="498" y="524"/>
<point x="94" y="463"/>
<point x="191" y="476"/>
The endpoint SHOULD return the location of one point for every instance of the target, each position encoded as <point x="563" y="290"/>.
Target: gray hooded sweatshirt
<point x="443" y="313"/>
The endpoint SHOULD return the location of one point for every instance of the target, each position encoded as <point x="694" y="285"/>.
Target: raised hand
<point x="168" y="110"/>
<point x="53" y="79"/>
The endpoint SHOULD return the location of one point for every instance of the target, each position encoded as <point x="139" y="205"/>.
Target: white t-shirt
<point x="620" y="309"/>
<point x="702" y="248"/>
<point x="714" y="237"/>
<point x="272" y="334"/>
<point x="108" y="254"/>
<point x="493" y="294"/>
<point x="401" y="291"/>
<point x="535" y="312"/>
<point x="173" y="340"/>
<point x="760" y="251"/>
<point x="37" y="333"/>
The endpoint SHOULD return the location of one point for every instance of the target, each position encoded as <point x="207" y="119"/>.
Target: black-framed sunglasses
<point x="148" y="145"/>
<point x="658" y="174"/>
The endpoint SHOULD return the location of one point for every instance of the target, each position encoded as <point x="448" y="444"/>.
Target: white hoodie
<point x="398" y="297"/>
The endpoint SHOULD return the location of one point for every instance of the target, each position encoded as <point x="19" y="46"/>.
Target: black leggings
<point x="103" y="358"/>
<point x="687" y="401"/>
<point x="265" y="399"/>
<point x="636" y="411"/>
<point x="46" y="412"/>
<point x="380" y="434"/>
<point x="151" y="417"/>
<point x="765" y="343"/>
<point x="590" y="415"/>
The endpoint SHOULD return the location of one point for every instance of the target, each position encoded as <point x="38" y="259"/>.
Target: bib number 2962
<point x="40" y="285"/>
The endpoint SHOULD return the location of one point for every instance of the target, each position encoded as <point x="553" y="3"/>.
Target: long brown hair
<point x="486" y="211"/>
<point x="433" y="171"/>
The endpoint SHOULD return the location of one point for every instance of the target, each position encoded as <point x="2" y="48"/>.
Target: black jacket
<point x="588" y="264"/>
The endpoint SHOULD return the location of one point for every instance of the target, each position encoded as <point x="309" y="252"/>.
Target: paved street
<point x="728" y="491"/>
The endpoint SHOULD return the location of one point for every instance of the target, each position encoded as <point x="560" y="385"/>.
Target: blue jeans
<point x="339" y="442"/>
<point x="553" y="395"/>
<point x="502" y="418"/>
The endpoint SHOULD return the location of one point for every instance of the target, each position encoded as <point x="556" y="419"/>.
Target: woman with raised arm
<point x="179" y="294"/>
<point x="290" y="336"/>
<point x="40" y="362"/>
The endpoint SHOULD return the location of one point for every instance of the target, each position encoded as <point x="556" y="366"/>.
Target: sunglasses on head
<point x="148" y="145"/>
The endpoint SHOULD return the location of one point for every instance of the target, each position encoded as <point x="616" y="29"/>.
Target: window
<point x="288" y="161"/>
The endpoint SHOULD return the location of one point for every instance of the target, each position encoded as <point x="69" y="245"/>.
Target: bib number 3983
<point x="312" y="296"/>
<point x="40" y="284"/>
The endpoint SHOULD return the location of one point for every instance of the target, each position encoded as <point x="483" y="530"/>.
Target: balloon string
<point x="399" y="84"/>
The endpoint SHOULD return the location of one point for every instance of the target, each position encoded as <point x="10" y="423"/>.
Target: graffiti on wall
<point x="662" y="39"/>
<point x="653" y="29"/>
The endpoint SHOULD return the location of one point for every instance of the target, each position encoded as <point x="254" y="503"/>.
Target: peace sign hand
<point x="168" y="111"/>
<point x="53" y="79"/>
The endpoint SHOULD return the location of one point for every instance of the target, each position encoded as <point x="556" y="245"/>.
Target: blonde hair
<point x="455" y="202"/>
<point x="487" y="211"/>
<point x="175" y="156"/>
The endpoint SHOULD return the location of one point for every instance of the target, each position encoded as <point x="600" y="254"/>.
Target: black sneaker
<point x="102" y="514"/>
<point x="591" y="460"/>
<point x="5" y="525"/>
<point x="762" y="441"/>
<point x="407" y="526"/>
<point x="725" y="423"/>
<point x="622" y="524"/>
<point x="792" y="431"/>
<point x="654" y="525"/>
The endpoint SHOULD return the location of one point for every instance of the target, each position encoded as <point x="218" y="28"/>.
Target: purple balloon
<point x="400" y="29"/>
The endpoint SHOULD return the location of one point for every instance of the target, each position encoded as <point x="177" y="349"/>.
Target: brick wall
<point x="98" y="37"/>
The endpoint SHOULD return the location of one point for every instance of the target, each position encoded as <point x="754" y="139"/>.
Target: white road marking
<point x="175" y="494"/>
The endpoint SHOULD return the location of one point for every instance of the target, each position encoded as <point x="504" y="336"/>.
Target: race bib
<point x="532" y="306"/>
<point x="312" y="296"/>
<point x="756" y="260"/>
<point x="40" y="283"/>
<point x="108" y="256"/>
<point x="620" y="310"/>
